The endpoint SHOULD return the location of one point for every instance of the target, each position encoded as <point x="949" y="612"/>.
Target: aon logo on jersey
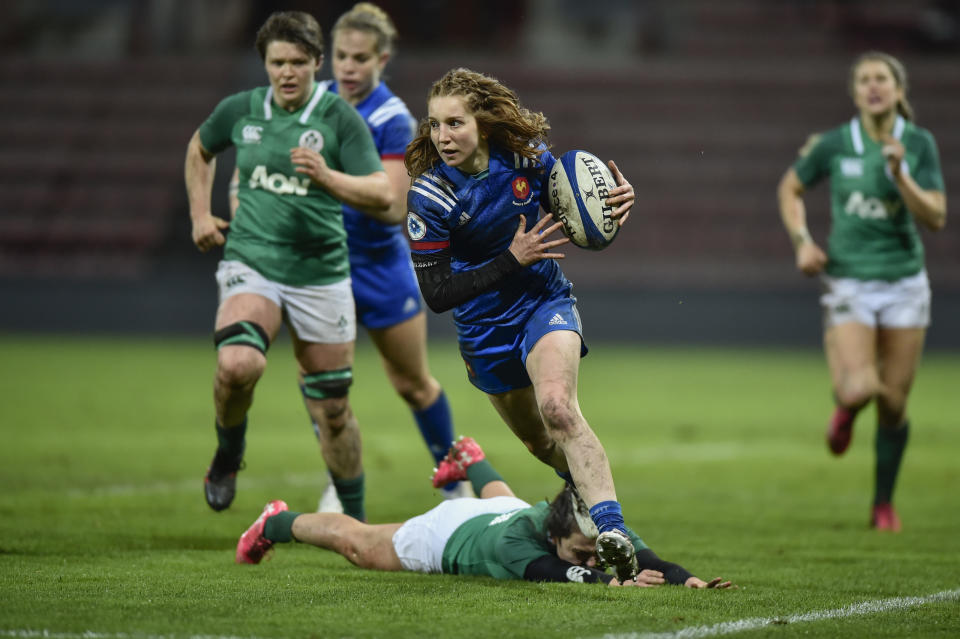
<point x="870" y="208"/>
<point x="278" y="183"/>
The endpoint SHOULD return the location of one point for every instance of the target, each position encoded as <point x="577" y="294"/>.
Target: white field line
<point x="853" y="610"/>
<point x="90" y="634"/>
<point x="726" y="628"/>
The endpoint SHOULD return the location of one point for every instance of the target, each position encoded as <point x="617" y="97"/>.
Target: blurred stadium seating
<point x="703" y="121"/>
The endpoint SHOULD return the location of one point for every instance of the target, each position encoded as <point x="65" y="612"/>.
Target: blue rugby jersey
<point x="475" y="220"/>
<point x="392" y="127"/>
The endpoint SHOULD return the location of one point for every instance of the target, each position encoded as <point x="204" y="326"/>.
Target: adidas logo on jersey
<point x="557" y="320"/>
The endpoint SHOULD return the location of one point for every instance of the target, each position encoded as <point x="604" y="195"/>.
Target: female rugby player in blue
<point x="384" y="286"/>
<point x="480" y="166"/>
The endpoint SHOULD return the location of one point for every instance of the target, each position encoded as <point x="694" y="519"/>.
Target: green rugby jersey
<point x="872" y="235"/>
<point x="502" y="546"/>
<point x="287" y="228"/>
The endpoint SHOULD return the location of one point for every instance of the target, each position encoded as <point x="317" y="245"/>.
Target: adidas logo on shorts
<point x="557" y="320"/>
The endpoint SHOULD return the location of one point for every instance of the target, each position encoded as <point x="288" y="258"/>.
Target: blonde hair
<point x="501" y="120"/>
<point x="898" y="71"/>
<point x="368" y="17"/>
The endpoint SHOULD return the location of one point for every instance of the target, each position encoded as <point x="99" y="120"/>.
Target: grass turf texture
<point x="718" y="455"/>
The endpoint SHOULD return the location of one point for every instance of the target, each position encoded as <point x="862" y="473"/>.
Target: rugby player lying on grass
<point x="496" y="535"/>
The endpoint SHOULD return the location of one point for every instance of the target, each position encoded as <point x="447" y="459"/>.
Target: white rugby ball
<point x="579" y="185"/>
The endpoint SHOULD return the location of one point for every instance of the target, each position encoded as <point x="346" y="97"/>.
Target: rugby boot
<point x="840" y="430"/>
<point x="220" y="482"/>
<point x="615" y="549"/>
<point x="464" y="453"/>
<point x="884" y="517"/>
<point x="253" y="545"/>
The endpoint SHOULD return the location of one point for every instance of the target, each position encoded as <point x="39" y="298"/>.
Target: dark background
<point x="702" y="103"/>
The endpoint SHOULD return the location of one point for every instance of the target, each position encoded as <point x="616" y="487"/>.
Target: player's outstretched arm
<point x="675" y="573"/>
<point x="716" y="582"/>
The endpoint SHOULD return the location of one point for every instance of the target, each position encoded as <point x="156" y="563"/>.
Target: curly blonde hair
<point x="500" y="119"/>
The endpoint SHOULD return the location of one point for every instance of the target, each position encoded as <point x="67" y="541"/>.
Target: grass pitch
<point x="718" y="456"/>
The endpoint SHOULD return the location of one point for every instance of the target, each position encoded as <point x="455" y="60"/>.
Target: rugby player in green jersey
<point x="496" y="535"/>
<point x="302" y="152"/>
<point x="884" y="174"/>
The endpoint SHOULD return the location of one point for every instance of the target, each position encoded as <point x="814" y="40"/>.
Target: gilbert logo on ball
<point x="579" y="185"/>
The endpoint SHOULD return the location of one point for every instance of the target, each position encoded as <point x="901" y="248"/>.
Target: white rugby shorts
<point x="903" y="303"/>
<point x="325" y="314"/>
<point x="420" y="541"/>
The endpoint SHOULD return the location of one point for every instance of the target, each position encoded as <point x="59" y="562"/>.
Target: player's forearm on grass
<point x="198" y="171"/>
<point x="371" y="194"/>
<point x="443" y="289"/>
<point x="928" y="207"/>
<point x="674" y="573"/>
<point x="550" y="568"/>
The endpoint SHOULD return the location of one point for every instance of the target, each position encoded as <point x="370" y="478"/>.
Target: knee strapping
<point x="327" y="384"/>
<point x="243" y="334"/>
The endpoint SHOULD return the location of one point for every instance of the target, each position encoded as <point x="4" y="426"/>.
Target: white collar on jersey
<point x="898" y="126"/>
<point x="318" y="90"/>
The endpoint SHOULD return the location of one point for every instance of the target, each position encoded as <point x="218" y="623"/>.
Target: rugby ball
<point x="579" y="185"/>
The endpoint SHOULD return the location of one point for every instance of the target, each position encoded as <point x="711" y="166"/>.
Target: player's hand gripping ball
<point x="580" y="184"/>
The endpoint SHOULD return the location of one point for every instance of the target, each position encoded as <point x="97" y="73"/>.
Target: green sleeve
<point x="814" y="161"/>
<point x="927" y="174"/>
<point x="215" y="131"/>
<point x="358" y="153"/>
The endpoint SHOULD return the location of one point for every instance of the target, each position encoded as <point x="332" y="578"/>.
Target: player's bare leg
<point x="899" y="354"/>
<point x="336" y="426"/>
<point x="518" y="409"/>
<point x="363" y="545"/>
<point x="553" y="365"/>
<point x="851" y="357"/>
<point x="240" y="364"/>
<point x="403" y="351"/>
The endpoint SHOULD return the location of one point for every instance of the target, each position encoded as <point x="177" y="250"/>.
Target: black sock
<point x="890" y="445"/>
<point x="232" y="441"/>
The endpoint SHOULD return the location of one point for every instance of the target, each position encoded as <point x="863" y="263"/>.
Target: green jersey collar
<point x="856" y="131"/>
<point x="319" y="88"/>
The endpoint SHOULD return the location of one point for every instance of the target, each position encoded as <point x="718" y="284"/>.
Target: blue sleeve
<point x="428" y="208"/>
<point x="395" y="135"/>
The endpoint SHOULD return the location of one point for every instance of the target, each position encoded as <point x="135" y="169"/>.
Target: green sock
<point x="232" y="440"/>
<point x="279" y="528"/>
<point x="890" y="445"/>
<point x="480" y="474"/>
<point x="350" y="492"/>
